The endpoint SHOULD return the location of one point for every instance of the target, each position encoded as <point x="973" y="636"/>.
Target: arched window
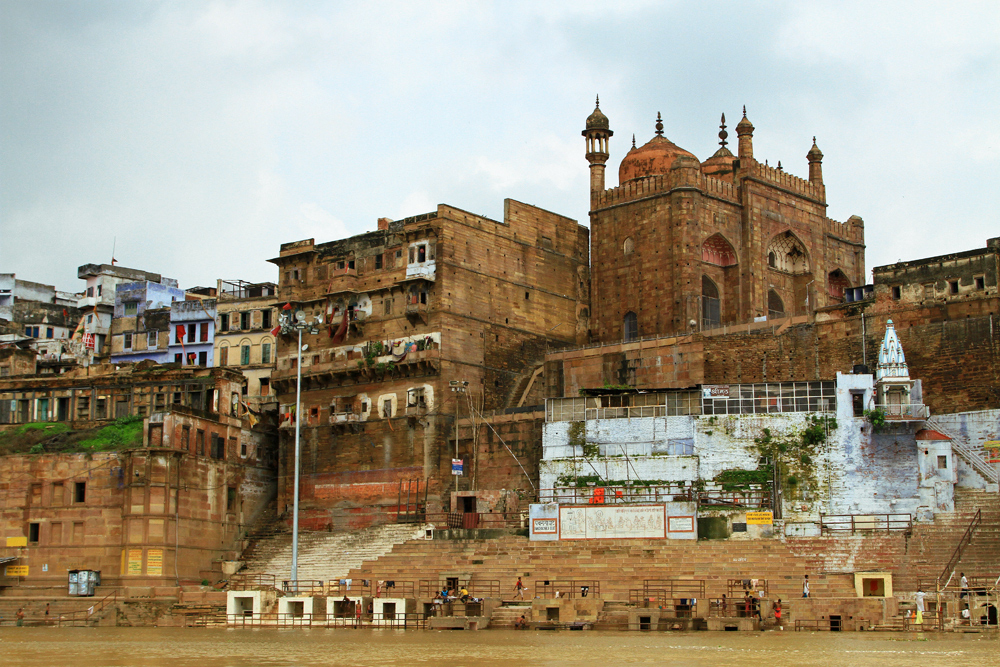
<point x="836" y="284"/>
<point x="787" y="253"/>
<point x="775" y="306"/>
<point x="716" y="250"/>
<point x="630" y="327"/>
<point x="628" y="246"/>
<point x="711" y="310"/>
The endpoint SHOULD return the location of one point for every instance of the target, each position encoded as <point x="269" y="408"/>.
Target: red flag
<point x="287" y="306"/>
<point x="181" y="333"/>
<point x="341" y="330"/>
<point x="275" y="331"/>
<point x="65" y="313"/>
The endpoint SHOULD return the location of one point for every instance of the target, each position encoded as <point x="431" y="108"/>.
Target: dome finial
<point x="722" y="132"/>
<point x="659" y="125"/>
<point x="633" y="140"/>
<point x="744" y="111"/>
<point x="598" y="102"/>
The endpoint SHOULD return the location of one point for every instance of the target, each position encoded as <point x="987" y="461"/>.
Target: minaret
<point x="815" y="157"/>
<point x="744" y="130"/>
<point x="597" y="135"/>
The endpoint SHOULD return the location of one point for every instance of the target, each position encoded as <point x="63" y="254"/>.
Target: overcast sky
<point x="204" y="134"/>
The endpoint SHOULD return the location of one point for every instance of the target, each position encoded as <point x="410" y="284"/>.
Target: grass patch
<point x="125" y="432"/>
<point x="54" y="437"/>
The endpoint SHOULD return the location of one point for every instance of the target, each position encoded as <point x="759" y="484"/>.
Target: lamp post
<point x="457" y="386"/>
<point x="298" y="324"/>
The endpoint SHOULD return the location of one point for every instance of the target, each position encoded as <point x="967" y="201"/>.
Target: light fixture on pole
<point x="289" y="322"/>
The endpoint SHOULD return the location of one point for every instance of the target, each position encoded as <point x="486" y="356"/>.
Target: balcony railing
<point x="905" y="411"/>
<point x="853" y="523"/>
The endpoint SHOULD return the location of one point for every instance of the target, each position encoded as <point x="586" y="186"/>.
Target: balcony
<point x="344" y="418"/>
<point x="417" y="312"/>
<point x="341" y="370"/>
<point x="905" y="412"/>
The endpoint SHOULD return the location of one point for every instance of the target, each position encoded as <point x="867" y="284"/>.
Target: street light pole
<point x="297" y="323"/>
<point x="298" y="427"/>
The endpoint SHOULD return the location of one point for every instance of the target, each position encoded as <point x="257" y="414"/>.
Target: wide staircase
<point x="326" y="556"/>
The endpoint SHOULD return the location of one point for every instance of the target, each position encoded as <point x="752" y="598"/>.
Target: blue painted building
<point x="192" y="332"/>
<point x="140" y="325"/>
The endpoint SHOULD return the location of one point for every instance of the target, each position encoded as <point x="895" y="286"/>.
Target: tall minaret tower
<point x="815" y="157"/>
<point x="597" y="135"/>
<point x="744" y="130"/>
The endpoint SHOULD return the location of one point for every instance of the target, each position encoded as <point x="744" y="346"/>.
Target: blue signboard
<point x="456" y="466"/>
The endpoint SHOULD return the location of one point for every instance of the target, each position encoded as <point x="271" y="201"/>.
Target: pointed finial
<point x="659" y="124"/>
<point x="722" y="132"/>
<point x="633" y="140"/>
<point x="779" y="165"/>
<point x="744" y="111"/>
<point x="814" y="140"/>
<point x="598" y="102"/>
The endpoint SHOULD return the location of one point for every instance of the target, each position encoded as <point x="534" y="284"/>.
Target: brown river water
<point x="203" y="647"/>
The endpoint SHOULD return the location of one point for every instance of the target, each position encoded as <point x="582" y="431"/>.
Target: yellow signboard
<point x="16" y="570"/>
<point x="134" y="561"/>
<point x="17" y="541"/>
<point x="992" y="453"/>
<point x="154" y="562"/>
<point x="760" y="518"/>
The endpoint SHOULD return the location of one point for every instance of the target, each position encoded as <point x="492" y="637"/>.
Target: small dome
<point x="814" y="154"/>
<point x="597" y="120"/>
<point x="744" y="126"/>
<point x="653" y="158"/>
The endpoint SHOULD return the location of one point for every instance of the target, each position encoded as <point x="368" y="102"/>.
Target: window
<point x="775" y="306"/>
<point x="203" y="330"/>
<point x="265" y="318"/>
<point x="980" y="282"/>
<point x="378" y="261"/>
<point x="90" y="318"/>
<point x="387" y="408"/>
<point x="127" y="345"/>
<point x="131" y="308"/>
<point x="415" y="398"/>
<point x="199" y="442"/>
<point x="179" y="334"/>
<point x="151" y="340"/>
<point x="90" y="291"/>
<point x="265" y="386"/>
<point x="203" y="358"/>
<point x="387" y="302"/>
<point x="58" y="494"/>
<point x="33" y="532"/>
<point x="186" y="438"/>
<point x="243" y="449"/>
<point x="630" y="327"/>
<point x="177" y="358"/>
<point x="942" y="462"/>
<point x="265" y="353"/>
<point x="711" y="309"/>
<point x="100" y="290"/>
<point x="929" y="290"/>
<point x="49" y="333"/>
<point x="224" y="356"/>
<point x="218" y="447"/>
<point x="245" y="321"/>
<point x="224" y="322"/>
<point x="79" y="492"/>
<point x="897" y="292"/>
<point x="245" y="355"/>
<point x="192" y="334"/>
<point x="837" y="284"/>
<point x="953" y="286"/>
<point x="231" y="499"/>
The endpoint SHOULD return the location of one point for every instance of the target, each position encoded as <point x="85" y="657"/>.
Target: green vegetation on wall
<point x="56" y="437"/>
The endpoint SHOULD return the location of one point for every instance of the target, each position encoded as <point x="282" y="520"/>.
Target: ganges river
<point x="203" y="647"/>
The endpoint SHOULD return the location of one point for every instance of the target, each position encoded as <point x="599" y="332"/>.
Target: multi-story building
<point x="246" y="314"/>
<point x="42" y="318"/>
<point x="98" y="299"/>
<point x="682" y="245"/>
<point x="140" y="328"/>
<point x="412" y="313"/>
<point x="192" y="324"/>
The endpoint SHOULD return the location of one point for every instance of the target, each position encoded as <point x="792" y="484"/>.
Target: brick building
<point x="243" y="340"/>
<point x="682" y="245"/>
<point x="408" y="309"/>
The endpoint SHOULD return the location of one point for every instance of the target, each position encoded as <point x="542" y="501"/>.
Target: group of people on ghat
<point x="460" y="594"/>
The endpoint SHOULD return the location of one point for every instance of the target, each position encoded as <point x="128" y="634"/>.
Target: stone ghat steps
<point x="619" y="567"/>
<point x="34" y="608"/>
<point x="326" y="556"/>
<point x="506" y="617"/>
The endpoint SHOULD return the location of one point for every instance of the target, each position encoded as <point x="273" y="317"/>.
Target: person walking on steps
<point x="519" y="589"/>
<point x="805" y="586"/>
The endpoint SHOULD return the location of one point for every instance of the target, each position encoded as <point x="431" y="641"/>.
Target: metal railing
<point x="596" y="495"/>
<point x="852" y="523"/>
<point x="569" y="588"/>
<point x="85" y="616"/>
<point x="251" y="582"/>
<point x="748" y="585"/>
<point x="379" y="619"/>
<point x="471" y="520"/>
<point x="743" y="498"/>
<point x="949" y="570"/>
<point x="478" y="588"/>
<point x="303" y="586"/>
<point x="737" y="608"/>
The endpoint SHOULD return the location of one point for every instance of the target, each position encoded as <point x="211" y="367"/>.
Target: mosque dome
<point x="653" y="158"/>
<point x="597" y="120"/>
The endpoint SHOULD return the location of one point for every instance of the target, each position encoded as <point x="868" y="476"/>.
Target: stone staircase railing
<point x="967" y="452"/>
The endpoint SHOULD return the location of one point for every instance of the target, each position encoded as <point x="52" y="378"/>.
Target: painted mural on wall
<point x="595" y="523"/>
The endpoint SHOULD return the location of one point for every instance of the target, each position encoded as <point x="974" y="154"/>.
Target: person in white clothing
<point x="965" y="586"/>
<point x="919" y="598"/>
